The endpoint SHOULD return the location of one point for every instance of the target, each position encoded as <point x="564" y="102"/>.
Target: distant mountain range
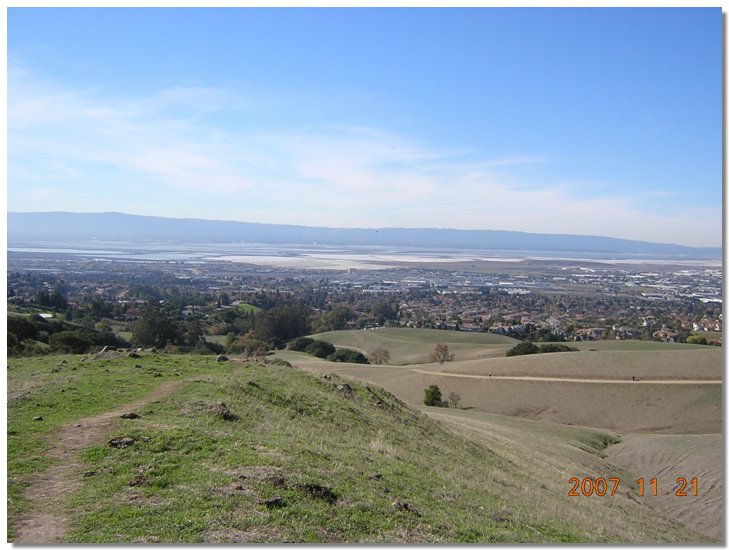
<point x="55" y="227"/>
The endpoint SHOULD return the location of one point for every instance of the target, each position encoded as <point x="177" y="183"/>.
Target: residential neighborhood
<point x="547" y="300"/>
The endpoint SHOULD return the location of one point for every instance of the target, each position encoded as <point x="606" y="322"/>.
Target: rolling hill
<point x="291" y="457"/>
<point x="667" y="422"/>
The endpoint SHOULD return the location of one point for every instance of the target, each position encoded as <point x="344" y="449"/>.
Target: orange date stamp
<point x="601" y="487"/>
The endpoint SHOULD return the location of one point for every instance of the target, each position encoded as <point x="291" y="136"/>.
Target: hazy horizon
<point x="337" y="227"/>
<point x="119" y="227"/>
<point x="602" y="121"/>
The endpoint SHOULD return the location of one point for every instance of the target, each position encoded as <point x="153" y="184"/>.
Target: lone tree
<point x="433" y="397"/>
<point x="380" y="356"/>
<point x="440" y="354"/>
<point x="454" y="399"/>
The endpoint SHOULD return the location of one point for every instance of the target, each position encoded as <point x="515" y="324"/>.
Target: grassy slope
<point x="625" y="408"/>
<point x="411" y="346"/>
<point x="632" y="345"/>
<point x="689" y="362"/>
<point x="559" y="452"/>
<point x="194" y="477"/>
<point x="61" y="393"/>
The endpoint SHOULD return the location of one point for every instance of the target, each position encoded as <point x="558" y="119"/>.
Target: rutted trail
<point x="45" y="521"/>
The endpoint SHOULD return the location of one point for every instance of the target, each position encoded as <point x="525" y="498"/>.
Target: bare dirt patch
<point x="45" y="522"/>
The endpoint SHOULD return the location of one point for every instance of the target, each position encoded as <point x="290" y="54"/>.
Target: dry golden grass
<point x="668" y="457"/>
<point x="696" y="363"/>
<point x="553" y="453"/>
<point x="624" y="407"/>
<point x="413" y="346"/>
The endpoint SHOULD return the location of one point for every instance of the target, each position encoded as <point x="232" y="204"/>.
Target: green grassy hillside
<point x="295" y="458"/>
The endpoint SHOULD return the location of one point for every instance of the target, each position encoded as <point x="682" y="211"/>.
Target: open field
<point x="299" y="459"/>
<point x="413" y="346"/>
<point x="633" y="345"/>
<point x="660" y="408"/>
<point x="678" y="363"/>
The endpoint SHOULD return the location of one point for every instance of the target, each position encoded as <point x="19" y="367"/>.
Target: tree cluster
<point x="34" y="335"/>
<point x="529" y="348"/>
<point x="325" y="350"/>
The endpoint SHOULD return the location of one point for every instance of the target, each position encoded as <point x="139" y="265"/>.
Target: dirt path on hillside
<point x="557" y="379"/>
<point x="45" y="521"/>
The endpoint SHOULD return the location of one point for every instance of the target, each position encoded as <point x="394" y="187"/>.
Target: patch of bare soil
<point x="45" y="521"/>
<point x="669" y="457"/>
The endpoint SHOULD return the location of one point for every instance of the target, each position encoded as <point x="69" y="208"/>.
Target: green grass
<point x="410" y="346"/>
<point x="204" y="479"/>
<point x="41" y="386"/>
<point x="249" y="308"/>
<point x="709" y="335"/>
<point x="125" y="334"/>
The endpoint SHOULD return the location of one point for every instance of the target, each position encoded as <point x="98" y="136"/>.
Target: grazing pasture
<point x="624" y="407"/>
<point x="413" y="346"/>
<point x="679" y="363"/>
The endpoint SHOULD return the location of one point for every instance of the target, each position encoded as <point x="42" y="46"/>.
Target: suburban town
<point x="531" y="300"/>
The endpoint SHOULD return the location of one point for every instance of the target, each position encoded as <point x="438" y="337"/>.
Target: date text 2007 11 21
<point x="601" y="487"/>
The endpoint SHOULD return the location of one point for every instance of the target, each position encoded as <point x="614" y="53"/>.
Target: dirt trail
<point x="580" y="380"/>
<point x="45" y="521"/>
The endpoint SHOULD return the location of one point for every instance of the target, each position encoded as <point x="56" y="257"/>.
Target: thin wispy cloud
<point x="173" y="146"/>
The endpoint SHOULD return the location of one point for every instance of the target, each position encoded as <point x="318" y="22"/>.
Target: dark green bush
<point x="528" y="348"/>
<point x="300" y="343"/>
<point x="347" y="356"/>
<point x="320" y="348"/>
<point x="70" y="341"/>
<point x="433" y="396"/>
<point x="552" y="348"/>
<point x="523" y="348"/>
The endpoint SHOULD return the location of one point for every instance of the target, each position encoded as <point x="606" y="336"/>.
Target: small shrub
<point x="433" y="396"/>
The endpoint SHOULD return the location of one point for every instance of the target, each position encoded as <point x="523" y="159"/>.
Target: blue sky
<point x="580" y="121"/>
